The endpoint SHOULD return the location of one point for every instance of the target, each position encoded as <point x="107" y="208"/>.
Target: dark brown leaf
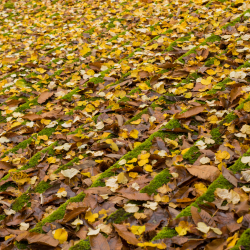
<point x="42" y="239"/>
<point x="98" y="242"/>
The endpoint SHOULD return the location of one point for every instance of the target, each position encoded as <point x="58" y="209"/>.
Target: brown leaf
<point x="235" y="93"/>
<point x="168" y="65"/>
<point x="44" y="97"/>
<point x="195" y="215"/>
<point x="125" y="234"/>
<point x="98" y="242"/>
<point x="136" y="196"/>
<point x="42" y="239"/>
<point x="217" y="244"/>
<point x="74" y="213"/>
<point x="205" y="172"/>
<point x="5" y="165"/>
<point x="32" y="117"/>
<point x="229" y="176"/>
<point x="207" y="218"/>
<point x="191" y="112"/>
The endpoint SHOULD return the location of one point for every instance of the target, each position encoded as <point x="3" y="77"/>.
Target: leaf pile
<point x="124" y="124"/>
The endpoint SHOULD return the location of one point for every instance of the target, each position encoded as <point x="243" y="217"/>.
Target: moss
<point x="192" y="154"/>
<point x="81" y="245"/>
<point x="136" y="151"/>
<point x="216" y="135"/>
<point x="42" y="187"/>
<point x="70" y="94"/>
<point x="244" y="241"/>
<point x="20" y="202"/>
<point x="20" y="245"/>
<point x="9" y="5"/>
<point x="165" y="233"/>
<point x="33" y="160"/>
<point x="229" y="118"/>
<point x="6" y="185"/>
<point x="162" y="178"/>
<point x="173" y="44"/>
<point x="118" y="216"/>
<point x="220" y="182"/>
<point x="65" y="166"/>
<point x="138" y="116"/>
<point x="57" y="214"/>
<point x="2" y="217"/>
<point x="24" y="144"/>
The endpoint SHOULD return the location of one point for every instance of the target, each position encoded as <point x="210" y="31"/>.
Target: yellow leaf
<point x="240" y="219"/>
<point x="138" y="230"/>
<point x="143" y="86"/>
<point x="148" y="168"/>
<point x="246" y="106"/>
<point x="165" y="198"/>
<point x="188" y="95"/>
<point x="40" y="70"/>
<point x="61" y="234"/>
<point x="121" y="178"/>
<point x="132" y="160"/>
<point x="51" y="160"/>
<point x="211" y="72"/>
<point x="200" y="188"/>
<point x="216" y="62"/>
<point x="144" y="156"/>
<point x="242" y="28"/>
<point x="136" y="122"/>
<point x="45" y="122"/>
<point x="222" y="155"/>
<point x="233" y="240"/>
<point x="184" y="151"/>
<point x="9" y="236"/>
<point x="114" y="147"/>
<point x="86" y="174"/>
<point x="213" y="119"/>
<point x="20" y="177"/>
<point x="207" y="81"/>
<point x="91" y="217"/>
<point x="142" y="162"/>
<point x="84" y="50"/>
<point x="134" y="133"/>
<point x="182" y="228"/>
<point x="133" y="174"/>
<point x="150" y="244"/>
<point x="42" y="137"/>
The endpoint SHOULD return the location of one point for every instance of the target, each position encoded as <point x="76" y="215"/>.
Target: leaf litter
<point x="124" y="124"/>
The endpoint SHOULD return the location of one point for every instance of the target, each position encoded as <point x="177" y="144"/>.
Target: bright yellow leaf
<point x="91" y="217"/>
<point x="134" y="133"/>
<point x="61" y="234"/>
<point x="51" y="159"/>
<point x="246" y="106"/>
<point x="136" y="122"/>
<point x="84" y="50"/>
<point x="182" y="228"/>
<point x="138" y="230"/>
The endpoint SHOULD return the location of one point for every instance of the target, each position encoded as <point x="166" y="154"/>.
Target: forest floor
<point x="124" y="124"/>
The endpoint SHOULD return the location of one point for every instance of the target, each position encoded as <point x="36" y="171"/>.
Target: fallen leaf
<point x="44" y="97"/>
<point x="125" y="234"/>
<point x="61" y="234"/>
<point x="205" y="172"/>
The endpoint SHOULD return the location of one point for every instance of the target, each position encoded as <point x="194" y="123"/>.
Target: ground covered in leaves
<point x="124" y="124"/>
